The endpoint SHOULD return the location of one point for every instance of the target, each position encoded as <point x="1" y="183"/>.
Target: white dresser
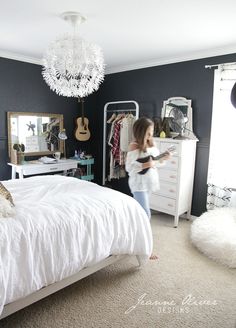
<point x="176" y="179"/>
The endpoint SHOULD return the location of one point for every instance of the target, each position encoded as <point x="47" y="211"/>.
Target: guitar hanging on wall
<point x="82" y="132"/>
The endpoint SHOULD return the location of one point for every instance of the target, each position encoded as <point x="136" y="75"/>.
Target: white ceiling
<point x="132" y="33"/>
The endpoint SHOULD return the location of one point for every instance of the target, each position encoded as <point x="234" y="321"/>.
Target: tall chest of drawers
<point x="176" y="179"/>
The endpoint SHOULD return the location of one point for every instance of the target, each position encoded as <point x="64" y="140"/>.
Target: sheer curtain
<point x="222" y="160"/>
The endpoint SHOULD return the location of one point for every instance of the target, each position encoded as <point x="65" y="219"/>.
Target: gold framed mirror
<point x="37" y="131"/>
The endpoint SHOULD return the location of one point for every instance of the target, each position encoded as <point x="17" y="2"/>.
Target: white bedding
<point x="62" y="225"/>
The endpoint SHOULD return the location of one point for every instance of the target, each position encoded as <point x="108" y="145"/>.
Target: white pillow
<point x="6" y="209"/>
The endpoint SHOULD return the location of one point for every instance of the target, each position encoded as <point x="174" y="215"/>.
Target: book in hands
<point x="146" y="159"/>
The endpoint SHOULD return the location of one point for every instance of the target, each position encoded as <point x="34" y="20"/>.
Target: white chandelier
<point x="73" y="67"/>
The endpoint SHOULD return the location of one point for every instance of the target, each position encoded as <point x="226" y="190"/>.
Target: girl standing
<point x="142" y="146"/>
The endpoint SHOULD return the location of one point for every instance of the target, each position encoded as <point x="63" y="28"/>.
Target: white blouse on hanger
<point x="126" y="132"/>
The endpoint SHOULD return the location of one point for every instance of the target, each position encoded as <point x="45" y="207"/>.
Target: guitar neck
<point x="82" y="109"/>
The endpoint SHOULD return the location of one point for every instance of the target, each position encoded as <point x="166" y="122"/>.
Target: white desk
<point x="38" y="168"/>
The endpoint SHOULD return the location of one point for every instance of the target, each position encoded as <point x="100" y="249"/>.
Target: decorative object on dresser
<point x="178" y="121"/>
<point x="73" y="67"/>
<point x="178" y="111"/>
<point x="157" y="126"/>
<point x="176" y="179"/>
<point x="82" y="132"/>
<point x="165" y="127"/>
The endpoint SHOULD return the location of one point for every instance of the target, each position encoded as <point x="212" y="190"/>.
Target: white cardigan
<point x="142" y="182"/>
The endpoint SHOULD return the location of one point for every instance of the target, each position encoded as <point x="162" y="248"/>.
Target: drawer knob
<point x="173" y="162"/>
<point x="172" y="176"/>
<point x="170" y="205"/>
<point x="171" y="190"/>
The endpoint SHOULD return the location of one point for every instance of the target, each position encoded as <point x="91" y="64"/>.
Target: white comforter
<point x="62" y="225"/>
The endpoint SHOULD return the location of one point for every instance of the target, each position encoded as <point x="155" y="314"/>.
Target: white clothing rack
<point x="106" y="110"/>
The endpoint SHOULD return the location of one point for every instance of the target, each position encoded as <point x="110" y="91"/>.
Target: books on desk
<point x="48" y="160"/>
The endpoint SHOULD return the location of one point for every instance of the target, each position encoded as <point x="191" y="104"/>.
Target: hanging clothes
<point x="120" y="136"/>
<point x="118" y="107"/>
<point x="126" y="132"/>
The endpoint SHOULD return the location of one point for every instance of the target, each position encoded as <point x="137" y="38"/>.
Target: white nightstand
<point x="38" y="168"/>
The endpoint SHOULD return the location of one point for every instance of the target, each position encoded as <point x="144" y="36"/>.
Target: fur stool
<point x="214" y="234"/>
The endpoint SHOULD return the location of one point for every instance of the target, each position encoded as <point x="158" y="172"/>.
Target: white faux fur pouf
<point x="214" y="234"/>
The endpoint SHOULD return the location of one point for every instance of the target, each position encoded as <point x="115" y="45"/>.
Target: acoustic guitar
<point x="82" y="132"/>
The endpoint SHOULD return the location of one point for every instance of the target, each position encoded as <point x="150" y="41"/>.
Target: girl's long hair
<point x="139" y="130"/>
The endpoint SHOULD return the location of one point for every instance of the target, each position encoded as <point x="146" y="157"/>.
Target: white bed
<point x="63" y="230"/>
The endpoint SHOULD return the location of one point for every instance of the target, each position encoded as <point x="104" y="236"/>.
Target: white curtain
<point x="222" y="160"/>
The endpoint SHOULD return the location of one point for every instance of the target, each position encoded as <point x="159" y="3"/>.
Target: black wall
<point x="149" y="87"/>
<point x="22" y="89"/>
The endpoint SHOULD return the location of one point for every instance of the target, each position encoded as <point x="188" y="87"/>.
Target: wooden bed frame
<point x="48" y="290"/>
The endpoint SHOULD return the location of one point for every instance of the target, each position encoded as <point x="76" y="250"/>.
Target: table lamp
<point x="62" y="136"/>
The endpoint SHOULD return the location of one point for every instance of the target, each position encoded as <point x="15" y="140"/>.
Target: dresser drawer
<point x="165" y="145"/>
<point x="172" y="163"/>
<point x="161" y="203"/>
<point x="168" y="175"/>
<point x="32" y="169"/>
<point x="167" y="189"/>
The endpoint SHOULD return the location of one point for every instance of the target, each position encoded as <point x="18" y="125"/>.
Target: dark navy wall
<point x="149" y="87"/>
<point x="22" y="89"/>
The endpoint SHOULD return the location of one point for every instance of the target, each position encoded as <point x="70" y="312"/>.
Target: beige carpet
<point x="102" y="299"/>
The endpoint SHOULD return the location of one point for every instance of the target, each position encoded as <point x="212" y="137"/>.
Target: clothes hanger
<point x="119" y="117"/>
<point x="129" y="115"/>
<point x="113" y="116"/>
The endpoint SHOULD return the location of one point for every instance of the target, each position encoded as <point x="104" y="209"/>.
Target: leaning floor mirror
<point x="38" y="132"/>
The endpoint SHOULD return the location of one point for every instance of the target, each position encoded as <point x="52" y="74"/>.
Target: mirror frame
<point x="178" y="101"/>
<point x="15" y="114"/>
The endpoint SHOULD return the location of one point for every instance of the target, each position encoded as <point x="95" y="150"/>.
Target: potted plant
<point x="17" y="155"/>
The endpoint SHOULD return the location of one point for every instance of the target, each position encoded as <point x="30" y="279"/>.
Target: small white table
<point x="38" y="167"/>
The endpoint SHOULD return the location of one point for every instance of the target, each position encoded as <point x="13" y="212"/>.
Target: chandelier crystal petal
<point x="73" y="67"/>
